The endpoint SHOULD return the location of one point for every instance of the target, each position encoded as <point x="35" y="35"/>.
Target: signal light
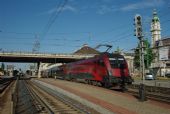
<point x="138" y="26"/>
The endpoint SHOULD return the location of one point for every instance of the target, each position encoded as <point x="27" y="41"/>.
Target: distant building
<point x="1" y="73"/>
<point x="10" y="69"/>
<point x="161" y="48"/>
<point x="130" y="61"/>
<point x="155" y="29"/>
<point x="162" y="65"/>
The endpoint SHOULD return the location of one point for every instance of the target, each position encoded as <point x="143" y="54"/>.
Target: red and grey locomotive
<point x="106" y="69"/>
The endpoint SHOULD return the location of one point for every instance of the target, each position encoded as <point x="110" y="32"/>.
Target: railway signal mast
<point x="139" y="35"/>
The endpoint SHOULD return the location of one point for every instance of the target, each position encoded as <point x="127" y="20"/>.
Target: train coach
<point x="108" y="70"/>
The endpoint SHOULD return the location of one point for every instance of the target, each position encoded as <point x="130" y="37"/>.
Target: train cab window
<point x="117" y="62"/>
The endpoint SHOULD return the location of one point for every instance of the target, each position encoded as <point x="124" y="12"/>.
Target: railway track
<point x="46" y="101"/>
<point x="155" y="93"/>
<point x="4" y="84"/>
<point x="51" y="104"/>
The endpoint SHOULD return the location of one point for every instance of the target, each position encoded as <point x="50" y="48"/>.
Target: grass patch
<point x="163" y="78"/>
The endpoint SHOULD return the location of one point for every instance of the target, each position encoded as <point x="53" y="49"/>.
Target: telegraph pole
<point x="139" y="35"/>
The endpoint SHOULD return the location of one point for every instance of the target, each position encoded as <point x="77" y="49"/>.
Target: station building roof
<point x="85" y="49"/>
<point x="163" y="42"/>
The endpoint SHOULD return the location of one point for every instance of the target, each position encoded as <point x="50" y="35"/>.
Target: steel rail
<point x="63" y="99"/>
<point x="35" y="96"/>
<point x="4" y="85"/>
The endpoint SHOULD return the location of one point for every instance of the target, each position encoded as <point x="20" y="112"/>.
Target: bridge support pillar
<point x="39" y="69"/>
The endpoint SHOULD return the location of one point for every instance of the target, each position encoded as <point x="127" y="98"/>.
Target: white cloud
<point x="106" y="9"/>
<point x="142" y="5"/>
<point x="65" y="8"/>
<point x="69" y="8"/>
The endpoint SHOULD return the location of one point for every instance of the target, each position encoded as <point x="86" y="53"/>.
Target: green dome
<point x="155" y="17"/>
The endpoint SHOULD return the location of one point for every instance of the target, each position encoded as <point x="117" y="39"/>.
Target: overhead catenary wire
<point x="120" y="27"/>
<point x="120" y="37"/>
<point x="48" y="44"/>
<point x="54" y="39"/>
<point x="59" y="9"/>
<point x="79" y="40"/>
<point x="27" y="40"/>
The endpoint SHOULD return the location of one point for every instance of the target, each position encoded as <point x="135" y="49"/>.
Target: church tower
<point x="155" y="29"/>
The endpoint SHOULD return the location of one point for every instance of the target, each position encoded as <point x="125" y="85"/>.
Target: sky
<point x="63" y="26"/>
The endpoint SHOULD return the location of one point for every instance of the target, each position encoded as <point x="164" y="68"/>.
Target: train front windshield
<point x="117" y="62"/>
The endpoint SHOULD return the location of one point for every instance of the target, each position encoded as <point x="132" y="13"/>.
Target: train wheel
<point x="106" y="85"/>
<point x="99" y="84"/>
<point x="102" y="84"/>
<point x="86" y="81"/>
<point x="123" y="88"/>
<point x="90" y="82"/>
<point x="94" y="83"/>
<point x="106" y="82"/>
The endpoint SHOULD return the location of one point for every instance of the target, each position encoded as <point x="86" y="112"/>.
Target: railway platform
<point x="113" y="101"/>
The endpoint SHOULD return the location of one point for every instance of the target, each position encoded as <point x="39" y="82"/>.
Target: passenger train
<point x="107" y="70"/>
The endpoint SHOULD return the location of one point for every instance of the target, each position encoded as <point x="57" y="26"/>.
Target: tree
<point x="148" y="56"/>
<point x="118" y="50"/>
